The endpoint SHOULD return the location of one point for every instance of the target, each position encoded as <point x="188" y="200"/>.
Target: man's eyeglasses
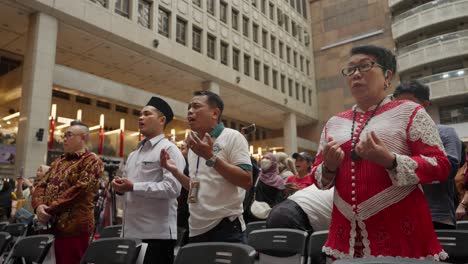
<point x="68" y="135"/>
<point x="363" y="67"/>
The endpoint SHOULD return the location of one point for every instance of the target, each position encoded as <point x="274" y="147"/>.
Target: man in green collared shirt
<point x="219" y="160"/>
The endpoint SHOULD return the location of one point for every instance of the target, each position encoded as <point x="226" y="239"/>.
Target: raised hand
<point x="375" y="150"/>
<point x="332" y="154"/>
<point x="167" y="162"/>
<point x="203" y="148"/>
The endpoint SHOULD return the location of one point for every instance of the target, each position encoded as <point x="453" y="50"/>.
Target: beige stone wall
<point x="334" y="21"/>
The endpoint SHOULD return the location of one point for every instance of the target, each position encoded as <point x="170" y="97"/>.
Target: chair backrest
<point x="112" y="250"/>
<point x="216" y="252"/>
<point x="385" y="260"/>
<point x="462" y="225"/>
<point x="455" y="243"/>
<point x="31" y="249"/>
<point x="3" y="224"/>
<point x="315" y="245"/>
<point x="111" y="231"/>
<point x="5" y="239"/>
<point x="16" y="230"/>
<point x="252" y="226"/>
<point x="279" y="245"/>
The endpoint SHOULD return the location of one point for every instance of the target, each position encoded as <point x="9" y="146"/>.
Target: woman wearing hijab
<point x="270" y="185"/>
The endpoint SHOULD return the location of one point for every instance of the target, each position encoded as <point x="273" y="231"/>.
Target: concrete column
<point x="211" y="86"/>
<point x="290" y="133"/>
<point x="36" y="94"/>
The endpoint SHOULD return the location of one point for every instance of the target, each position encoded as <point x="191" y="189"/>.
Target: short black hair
<point x="213" y="100"/>
<point x="383" y="56"/>
<point x="419" y="90"/>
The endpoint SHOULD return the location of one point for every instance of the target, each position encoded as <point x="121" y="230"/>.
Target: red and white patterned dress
<point x="377" y="212"/>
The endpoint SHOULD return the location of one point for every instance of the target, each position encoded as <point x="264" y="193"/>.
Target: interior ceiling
<point x="90" y="53"/>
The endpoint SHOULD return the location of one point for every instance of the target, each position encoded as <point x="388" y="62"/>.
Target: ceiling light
<point x="8" y="122"/>
<point x="445" y="75"/>
<point x="460" y="73"/>
<point x="8" y="117"/>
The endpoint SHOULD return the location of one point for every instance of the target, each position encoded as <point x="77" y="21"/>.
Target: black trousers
<point x="159" y="251"/>
<point x="288" y="214"/>
<point x="438" y="225"/>
<point x="225" y="231"/>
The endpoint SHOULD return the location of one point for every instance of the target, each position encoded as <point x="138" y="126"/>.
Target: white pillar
<point x="36" y="93"/>
<point x="211" y="86"/>
<point x="290" y="133"/>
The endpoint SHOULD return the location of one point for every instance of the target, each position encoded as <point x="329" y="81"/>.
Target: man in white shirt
<point x="220" y="172"/>
<point x="152" y="191"/>
<point x="308" y="209"/>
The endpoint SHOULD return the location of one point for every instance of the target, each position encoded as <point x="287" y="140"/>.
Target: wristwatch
<point x="211" y="161"/>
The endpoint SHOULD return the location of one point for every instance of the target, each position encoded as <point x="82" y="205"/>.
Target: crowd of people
<point x="383" y="172"/>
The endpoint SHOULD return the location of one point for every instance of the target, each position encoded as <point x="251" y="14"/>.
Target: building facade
<point x="102" y="60"/>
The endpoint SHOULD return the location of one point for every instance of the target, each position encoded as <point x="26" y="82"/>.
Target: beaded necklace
<point x="354" y="155"/>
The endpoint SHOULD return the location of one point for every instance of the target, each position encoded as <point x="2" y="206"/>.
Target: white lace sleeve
<point x="318" y="178"/>
<point x="405" y="172"/>
<point x="423" y="128"/>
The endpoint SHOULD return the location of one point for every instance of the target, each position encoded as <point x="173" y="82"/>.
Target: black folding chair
<point x="385" y="260"/>
<point x="315" y="245"/>
<point x="216" y="252"/>
<point x="16" y="230"/>
<point x="112" y="250"/>
<point x="3" y="224"/>
<point x="5" y="239"/>
<point x="111" y="231"/>
<point x="279" y="245"/>
<point x="455" y="243"/>
<point x="258" y="225"/>
<point x="32" y="249"/>
<point x="462" y="225"/>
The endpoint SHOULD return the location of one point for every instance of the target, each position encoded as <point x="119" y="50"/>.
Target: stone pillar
<point x="36" y="93"/>
<point x="290" y="133"/>
<point x="211" y="86"/>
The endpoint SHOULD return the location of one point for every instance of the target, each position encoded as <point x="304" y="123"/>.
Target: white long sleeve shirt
<point x="151" y="208"/>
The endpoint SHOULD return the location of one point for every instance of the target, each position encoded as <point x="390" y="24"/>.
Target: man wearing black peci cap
<point x="300" y="181"/>
<point x="151" y="191"/>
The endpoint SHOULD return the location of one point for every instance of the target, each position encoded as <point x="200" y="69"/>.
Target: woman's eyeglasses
<point x="363" y="67"/>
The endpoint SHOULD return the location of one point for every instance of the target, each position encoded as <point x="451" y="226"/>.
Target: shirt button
<point x="353" y="192"/>
<point x="353" y="178"/>
<point x="361" y="119"/>
<point x="353" y="184"/>
<point x="352" y="163"/>
<point x="353" y="199"/>
<point x="352" y="171"/>
<point x="354" y="206"/>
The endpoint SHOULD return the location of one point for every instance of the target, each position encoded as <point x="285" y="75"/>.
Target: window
<point x="295" y="59"/>
<point x="304" y="9"/>
<point x="223" y="11"/>
<point x="280" y="48"/>
<point x="288" y="54"/>
<point x="181" y="31"/>
<point x="83" y="100"/>
<point x="286" y="22"/>
<point x="235" y="59"/>
<point x="211" y="46"/>
<point x="299" y="33"/>
<point x="59" y="94"/>
<point x="274" y="75"/>
<point x="163" y="22"/>
<point x="310" y="97"/>
<point x="144" y="11"/>
<point x="273" y="44"/>
<point x="307" y="66"/>
<point x="272" y="11"/>
<point x="254" y="3"/>
<point x="235" y="19"/>
<point x="263" y="6"/>
<point x="291" y="2"/>
<point x="196" y="39"/>
<point x="298" y="6"/>
<point x="255" y="32"/>
<point x="303" y="94"/>
<point x="103" y="104"/>
<point x="293" y="28"/>
<point x="266" y="75"/>
<point x="301" y="63"/>
<point x="290" y="87"/>
<point x="297" y="91"/>
<point x="210" y="6"/>
<point x="283" y="83"/>
<point x="279" y="17"/>
<point x="265" y="39"/>
<point x="257" y="70"/>
<point x="121" y="109"/>
<point x="245" y="26"/>
<point x="122" y="8"/>
<point x="247" y="65"/>
<point x="224" y="53"/>
<point x="197" y="2"/>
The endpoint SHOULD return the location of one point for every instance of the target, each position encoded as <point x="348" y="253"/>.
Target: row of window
<point x="282" y="19"/>
<point x="292" y="56"/>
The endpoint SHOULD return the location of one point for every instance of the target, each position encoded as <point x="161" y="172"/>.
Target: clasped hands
<point x="371" y="148"/>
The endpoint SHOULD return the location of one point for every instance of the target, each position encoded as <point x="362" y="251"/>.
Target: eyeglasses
<point x="363" y="67"/>
<point x="68" y="135"/>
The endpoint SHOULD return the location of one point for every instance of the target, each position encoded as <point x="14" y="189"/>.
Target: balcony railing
<point x="447" y="84"/>
<point x="434" y="49"/>
<point x="428" y="14"/>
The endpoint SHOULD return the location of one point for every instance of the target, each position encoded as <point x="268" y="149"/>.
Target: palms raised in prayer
<point x="167" y="162"/>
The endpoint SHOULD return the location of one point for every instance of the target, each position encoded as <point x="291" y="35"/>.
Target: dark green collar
<point x="217" y="130"/>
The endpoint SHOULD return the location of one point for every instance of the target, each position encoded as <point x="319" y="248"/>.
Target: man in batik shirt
<point x="64" y="197"/>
